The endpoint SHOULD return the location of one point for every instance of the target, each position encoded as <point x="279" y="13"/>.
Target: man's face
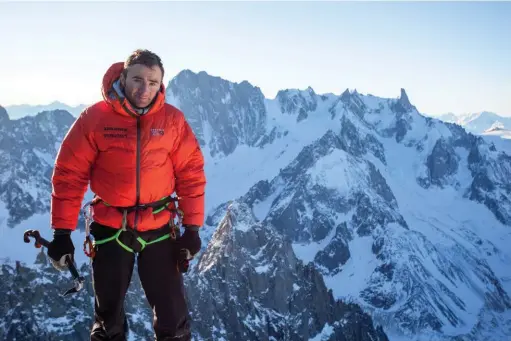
<point x="141" y="84"/>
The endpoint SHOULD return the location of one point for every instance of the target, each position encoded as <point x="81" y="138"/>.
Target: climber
<point x="135" y="150"/>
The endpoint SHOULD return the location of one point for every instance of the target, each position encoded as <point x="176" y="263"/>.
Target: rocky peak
<point x="288" y="300"/>
<point x="300" y="102"/>
<point x="351" y="101"/>
<point x="402" y="105"/>
<point x="222" y="114"/>
<point x="345" y="96"/>
<point x="403" y="99"/>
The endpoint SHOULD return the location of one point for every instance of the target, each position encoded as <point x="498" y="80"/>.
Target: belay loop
<point x="89" y="245"/>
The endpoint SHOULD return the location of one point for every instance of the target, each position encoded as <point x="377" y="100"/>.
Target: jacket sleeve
<point x="71" y="174"/>
<point x="188" y="163"/>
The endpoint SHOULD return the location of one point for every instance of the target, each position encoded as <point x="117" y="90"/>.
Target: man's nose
<point x="144" y="88"/>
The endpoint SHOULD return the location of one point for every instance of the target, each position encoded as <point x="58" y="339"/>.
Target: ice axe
<point x="40" y="241"/>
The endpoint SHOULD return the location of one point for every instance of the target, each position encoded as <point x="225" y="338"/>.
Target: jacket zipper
<point x="137" y="181"/>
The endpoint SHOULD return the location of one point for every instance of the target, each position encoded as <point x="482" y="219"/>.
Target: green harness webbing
<point x="127" y="248"/>
<point x="142" y="242"/>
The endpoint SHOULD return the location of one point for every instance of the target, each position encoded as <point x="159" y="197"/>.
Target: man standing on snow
<point x="135" y="150"/>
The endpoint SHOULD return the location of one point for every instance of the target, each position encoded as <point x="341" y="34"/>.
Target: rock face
<point x="263" y="292"/>
<point x="295" y="102"/>
<point x="27" y="152"/>
<point x="222" y="114"/>
<point x="441" y="163"/>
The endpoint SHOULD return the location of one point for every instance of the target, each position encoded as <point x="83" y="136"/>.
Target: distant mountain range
<point x="481" y="123"/>
<point x="21" y="110"/>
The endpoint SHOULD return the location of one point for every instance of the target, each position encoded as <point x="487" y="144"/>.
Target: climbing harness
<point x="158" y="206"/>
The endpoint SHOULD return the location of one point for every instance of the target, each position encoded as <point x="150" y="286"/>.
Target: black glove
<point x="190" y="240"/>
<point x="60" y="247"/>
<point x="188" y="246"/>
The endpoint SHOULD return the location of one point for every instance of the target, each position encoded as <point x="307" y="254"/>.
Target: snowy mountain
<point x="449" y="117"/>
<point x="481" y="123"/>
<point x="403" y="214"/>
<point x="223" y="115"/>
<point x="494" y="128"/>
<point x="263" y="291"/>
<point x="27" y="152"/>
<point x="328" y="217"/>
<point x="22" y="110"/>
<point x="498" y="129"/>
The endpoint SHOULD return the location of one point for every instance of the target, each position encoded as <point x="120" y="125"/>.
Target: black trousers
<point x="162" y="283"/>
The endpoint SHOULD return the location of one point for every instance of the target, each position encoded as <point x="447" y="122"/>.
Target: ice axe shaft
<point x="40" y="241"/>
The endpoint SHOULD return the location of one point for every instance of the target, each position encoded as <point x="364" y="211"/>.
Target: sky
<point x="448" y="56"/>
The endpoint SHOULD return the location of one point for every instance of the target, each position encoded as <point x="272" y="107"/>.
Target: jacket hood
<point x="113" y="95"/>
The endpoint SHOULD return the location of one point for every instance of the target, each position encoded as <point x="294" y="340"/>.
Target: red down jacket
<point x="115" y="149"/>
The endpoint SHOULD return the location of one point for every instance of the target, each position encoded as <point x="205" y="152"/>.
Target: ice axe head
<point x="40" y="241"/>
<point x="36" y="235"/>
